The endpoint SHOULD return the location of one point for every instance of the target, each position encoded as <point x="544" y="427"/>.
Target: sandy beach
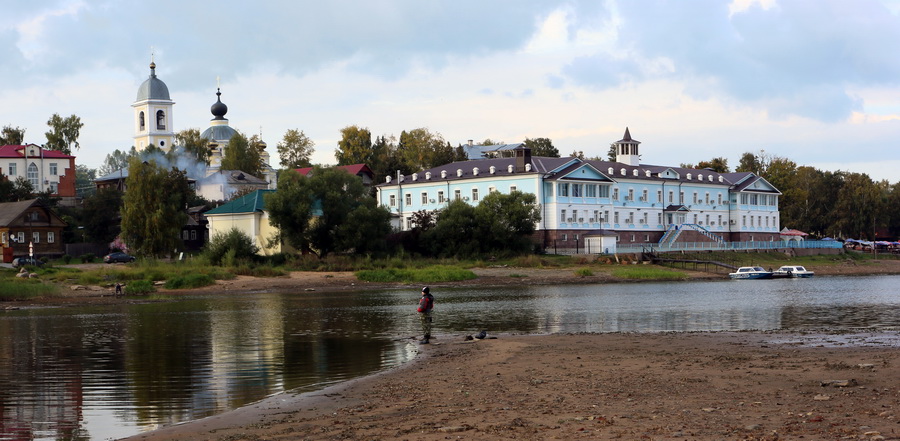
<point x="692" y="386"/>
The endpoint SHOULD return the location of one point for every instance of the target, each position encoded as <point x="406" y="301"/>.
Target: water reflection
<point x="108" y="372"/>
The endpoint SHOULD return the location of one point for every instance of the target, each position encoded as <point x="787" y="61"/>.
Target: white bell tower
<point x="153" y="119"/>
<point x="627" y="150"/>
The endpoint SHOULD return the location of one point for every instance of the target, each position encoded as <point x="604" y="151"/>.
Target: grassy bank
<point x="24" y="289"/>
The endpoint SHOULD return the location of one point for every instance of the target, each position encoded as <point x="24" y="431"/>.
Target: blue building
<point x="630" y="202"/>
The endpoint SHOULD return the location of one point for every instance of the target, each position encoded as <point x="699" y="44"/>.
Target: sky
<point x="816" y="82"/>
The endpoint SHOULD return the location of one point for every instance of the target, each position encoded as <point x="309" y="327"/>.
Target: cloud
<point x="788" y="59"/>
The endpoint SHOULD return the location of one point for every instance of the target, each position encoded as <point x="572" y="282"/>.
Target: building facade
<point x="634" y="203"/>
<point x="46" y="170"/>
<point x="30" y="228"/>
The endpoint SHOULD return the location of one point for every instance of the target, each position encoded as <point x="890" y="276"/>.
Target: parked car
<point x="118" y="257"/>
<point x="23" y="261"/>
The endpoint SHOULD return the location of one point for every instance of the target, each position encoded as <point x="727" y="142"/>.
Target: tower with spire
<point x="153" y="118"/>
<point x="627" y="150"/>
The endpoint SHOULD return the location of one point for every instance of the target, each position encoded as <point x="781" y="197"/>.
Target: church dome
<point x="219" y="109"/>
<point x="221" y="133"/>
<point x="219" y="130"/>
<point x="153" y="88"/>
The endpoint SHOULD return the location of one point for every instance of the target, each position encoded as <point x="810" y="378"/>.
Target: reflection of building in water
<point x="247" y="358"/>
<point x="38" y="404"/>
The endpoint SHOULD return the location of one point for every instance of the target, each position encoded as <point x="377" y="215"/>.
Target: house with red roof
<point x="46" y="169"/>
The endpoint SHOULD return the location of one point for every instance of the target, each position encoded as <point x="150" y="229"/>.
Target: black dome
<point x="219" y="109"/>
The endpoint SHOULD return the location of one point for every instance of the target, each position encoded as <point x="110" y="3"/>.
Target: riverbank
<point x="697" y="386"/>
<point x="300" y="281"/>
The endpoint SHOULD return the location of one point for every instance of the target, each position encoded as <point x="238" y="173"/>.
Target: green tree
<point x="232" y="245"/>
<point x="718" y="165"/>
<point x="327" y="211"/>
<point x="100" y="215"/>
<point x="420" y="149"/>
<point x="295" y="149"/>
<point x="153" y="208"/>
<point x="542" y="147"/>
<point x="84" y="180"/>
<point x="611" y="153"/>
<point x="117" y="160"/>
<point x="189" y="143"/>
<point x="454" y="232"/>
<point x="506" y="221"/>
<point x="753" y="163"/>
<point x="12" y="136"/>
<point x="854" y="212"/>
<point x="63" y="134"/>
<point x="355" y="146"/>
<point x="241" y="155"/>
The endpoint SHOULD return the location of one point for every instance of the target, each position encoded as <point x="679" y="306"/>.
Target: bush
<point x="231" y="247"/>
<point x="139" y="287"/>
<point x="66" y="259"/>
<point x="189" y="281"/>
<point x="88" y="258"/>
<point x="584" y="272"/>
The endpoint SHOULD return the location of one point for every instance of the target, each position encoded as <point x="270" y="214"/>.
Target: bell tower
<point x="627" y="150"/>
<point x="153" y="119"/>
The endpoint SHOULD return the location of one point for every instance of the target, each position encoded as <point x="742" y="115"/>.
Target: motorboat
<point x="751" y="272"/>
<point x="792" y="271"/>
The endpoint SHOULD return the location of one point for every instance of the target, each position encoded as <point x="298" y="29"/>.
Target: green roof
<point x="249" y="203"/>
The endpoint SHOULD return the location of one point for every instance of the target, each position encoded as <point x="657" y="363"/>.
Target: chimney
<point x="470" y="143"/>
<point x="523" y="156"/>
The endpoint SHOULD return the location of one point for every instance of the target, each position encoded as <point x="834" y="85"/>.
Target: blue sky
<point x="817" y="82"/>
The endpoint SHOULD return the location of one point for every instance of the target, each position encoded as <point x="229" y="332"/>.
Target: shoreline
<point x="761" y="385"/>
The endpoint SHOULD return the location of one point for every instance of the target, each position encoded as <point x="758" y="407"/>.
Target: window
<point x="440" y="197"/>
<point x="604" y="191"/>
<point x="474" y="194"/>
<point x="671" y="197"/>
<point x="160" y="120"/>
<point x="615" y="194"/>
<point x="630" y="194"/>
<point x="707" y="198"/>
<point x="408" y="199"/>
<point x="563" y="190"/>
<point x="141" y="120"/>
<point x="659" y="218"/>
<point x="744" y="221"/>
<point x="3" y="238"/>
<point x="184" y="234"/>
<point x="51" y="237"/>
<point x="754" y="199"/>
<point x="645" y="195"/>
<point x="644" y="221"/>
<point x="54" y="188"/>
<point x="576" y="190"/>
<point x="512" y="188"/>
<point x="53" y="169"/>
<point x="744" y="198"/>
<point x="33" y="175"/>
<point x="681" y="197"/>
<point x="424" y="198"/>
<point x="719" y="199"/>
<point x="12" y="169"/>
<point x="590" y="190"/>
<point x="565" y="237"/>
<point x="606" y="216"/>
<point x="457" y="195"/>
<point x="659" y="196"/>
<point x="562" y="215"/>
<point x="596" y="216"/>
<point x="21" y="237"/>
<point x="492" y="189"/>
<point x="616" y="217"/>
<point x="409" y="224"/>
<point x="36" y="237"/>
<point x="720" y="219"/>
<point x="695" y="197"/>
<point x="392" y="200"/>
<point x="193" y="234"/>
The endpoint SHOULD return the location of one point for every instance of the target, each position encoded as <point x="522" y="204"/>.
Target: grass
<point x="647" y="272"/>
<point x="24" y="289"/>
<point x="584" y="272"/>
<point x="189" y="281"/>
<point x="432" y="274"/>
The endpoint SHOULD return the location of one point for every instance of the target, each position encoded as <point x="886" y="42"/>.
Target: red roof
<point x="16" y="151"/>
<point x="354" y="169"/>
<point x="787" y="232"/>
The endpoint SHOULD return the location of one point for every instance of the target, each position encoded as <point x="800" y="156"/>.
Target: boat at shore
<point x="751" y="272"/>
<point x="792" y="271"/>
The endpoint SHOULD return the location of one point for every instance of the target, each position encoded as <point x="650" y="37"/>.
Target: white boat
<point x="751" y="272"/>
<point x="793" y="271"/>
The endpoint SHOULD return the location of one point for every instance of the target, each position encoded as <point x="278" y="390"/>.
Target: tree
<point x="420" y="149"/>
<point x="100" y="215"/>
<point x="14" y="191"/>
<point x="355" y="146"/>
<point x="84" y="180"/>
<point x="63" y="134"/>
<point x="611" y="153"/>
<point x="454" y="231"/>
<point x="241" y="155"/>
<point x="233" y="245"/>
<point x="718" y="165"/>
<point x="506" y="221"/>
<point x="541" y="147"/>
<point x="189" y="143"/>
<point x="12" y="136"/>
<point x="153" y="208"/>
<point x="117" y="160"/>
<point x="295" y="149"/>
<point x="752" y="163"/>
<point x="327" y="211"/>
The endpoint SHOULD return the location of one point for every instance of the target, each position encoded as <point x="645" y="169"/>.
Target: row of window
<point x="441" y="197"/>
<point x="160" y="120"/>
<point x="707" y="220"/>
<point x="19" y="237"/>
<point x="33" y="174"/>
<point x="565" y="189"/>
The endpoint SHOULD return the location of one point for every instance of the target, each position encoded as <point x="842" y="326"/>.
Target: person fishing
<point x="426" y="304"/>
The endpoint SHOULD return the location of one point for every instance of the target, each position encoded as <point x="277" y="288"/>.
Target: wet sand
<point x="692" y="386"/>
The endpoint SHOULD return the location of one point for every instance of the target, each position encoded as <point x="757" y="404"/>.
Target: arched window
<point x="141" y="120"/>
<point x="33" y="176"/>
<point x="160" y="120"/>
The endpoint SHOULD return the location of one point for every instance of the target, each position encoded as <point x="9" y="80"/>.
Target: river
<point x="105" y="372"/>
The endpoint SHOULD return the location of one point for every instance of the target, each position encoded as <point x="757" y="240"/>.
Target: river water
<point x="105" y="372"/>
